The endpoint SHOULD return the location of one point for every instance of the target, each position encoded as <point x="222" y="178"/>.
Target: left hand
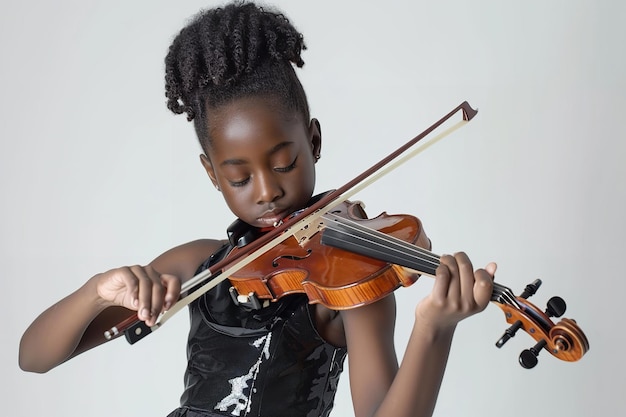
<point x="458" y="292"/>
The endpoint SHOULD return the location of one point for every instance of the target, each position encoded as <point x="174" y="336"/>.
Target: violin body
<point x="337" y="278"/>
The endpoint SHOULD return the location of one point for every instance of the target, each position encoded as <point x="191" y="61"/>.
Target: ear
<point x="315" y="136"/>
<point x="208" y="167"/>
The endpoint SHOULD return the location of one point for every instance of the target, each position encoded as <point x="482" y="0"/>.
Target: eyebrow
<point x="236" y="161"/>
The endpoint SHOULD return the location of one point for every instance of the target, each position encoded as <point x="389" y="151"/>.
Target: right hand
<point x="139" y="288"/>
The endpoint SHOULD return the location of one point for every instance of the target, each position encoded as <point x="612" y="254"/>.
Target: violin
<point x="341" y="259"/>
<point x="346" y="260"/>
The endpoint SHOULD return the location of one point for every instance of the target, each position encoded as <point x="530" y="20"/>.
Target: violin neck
<point x="349" y="235"/>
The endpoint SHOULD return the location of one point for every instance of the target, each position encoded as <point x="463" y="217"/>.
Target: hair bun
<point x="220" y="46"/>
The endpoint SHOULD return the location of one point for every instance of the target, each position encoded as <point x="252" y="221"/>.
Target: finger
<point x="145" y="292"/>
<point x="131" y="287"/>
<point x="483" y="287"/>
<point x="466" y="277"/>
<point x="172" y="285"/>
<point x="442" y="282"/>
<point x="158" y="294"/>
<point x="454" y="287"/>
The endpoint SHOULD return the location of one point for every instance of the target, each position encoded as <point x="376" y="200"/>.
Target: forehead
<point x="253" y="122"/>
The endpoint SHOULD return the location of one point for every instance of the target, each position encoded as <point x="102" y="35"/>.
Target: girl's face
<point x="262" y="158"/>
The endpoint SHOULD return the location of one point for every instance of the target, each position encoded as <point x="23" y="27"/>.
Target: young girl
<point x="231" y="70"/>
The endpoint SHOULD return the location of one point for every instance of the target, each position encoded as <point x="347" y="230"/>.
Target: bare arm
<point x="381" y="388"/>
<point x="77" y="322"/>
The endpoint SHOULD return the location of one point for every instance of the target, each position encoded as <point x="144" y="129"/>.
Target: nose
<point x="268" y="188"/>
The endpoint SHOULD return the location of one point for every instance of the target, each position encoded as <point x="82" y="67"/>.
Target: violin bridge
<point x="307" y="231"/>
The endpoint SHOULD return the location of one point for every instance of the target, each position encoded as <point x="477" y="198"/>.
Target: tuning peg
<point x="531" y="289"/>
<point x="556" y="307"/>
<point x="528" y="357"/>
<point x="509" y="333"/>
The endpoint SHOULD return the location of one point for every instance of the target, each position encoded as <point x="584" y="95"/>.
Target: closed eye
<point x="239" y="183"/>
<point x="287" y="168"/>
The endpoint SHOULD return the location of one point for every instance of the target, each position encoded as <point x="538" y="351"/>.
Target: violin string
<point x="500" y="293"/>
<point x="504" y="295"/>
<point x="390" y="243"/>
<point x="382" y="238"/>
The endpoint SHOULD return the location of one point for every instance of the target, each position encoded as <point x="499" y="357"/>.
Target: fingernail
<point x="145" y="313"/>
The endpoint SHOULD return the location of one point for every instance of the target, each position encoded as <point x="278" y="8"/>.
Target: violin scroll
<point x="564" y="340"/>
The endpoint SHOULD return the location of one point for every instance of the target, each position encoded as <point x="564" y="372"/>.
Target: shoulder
<point x="183" y="260"/>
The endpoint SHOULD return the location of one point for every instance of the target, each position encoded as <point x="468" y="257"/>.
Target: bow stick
<point x="136" y="329"/>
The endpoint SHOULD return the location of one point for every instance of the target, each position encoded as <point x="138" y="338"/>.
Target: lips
<point x="272" y="217"/>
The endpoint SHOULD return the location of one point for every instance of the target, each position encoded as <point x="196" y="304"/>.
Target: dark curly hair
<point x="226" y="53"/>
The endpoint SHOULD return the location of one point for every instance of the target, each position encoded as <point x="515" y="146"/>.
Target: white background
<point x="96" y="173"/>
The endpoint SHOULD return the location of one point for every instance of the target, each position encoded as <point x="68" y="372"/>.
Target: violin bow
<point x="135" y="329"/>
